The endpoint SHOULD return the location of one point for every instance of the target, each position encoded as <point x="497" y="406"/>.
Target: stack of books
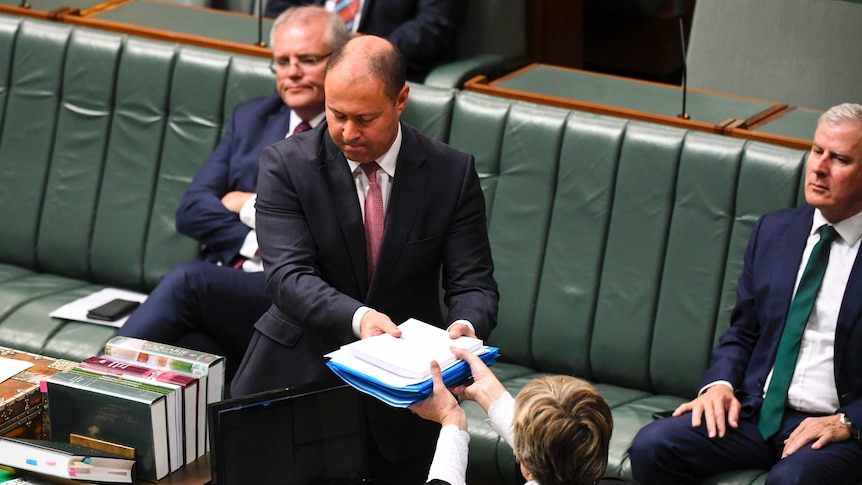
<point x="398" y="370"/>
<point x="144" y="395"/>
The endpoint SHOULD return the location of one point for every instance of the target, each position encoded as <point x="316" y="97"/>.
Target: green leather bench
<point x="617" y="243"/>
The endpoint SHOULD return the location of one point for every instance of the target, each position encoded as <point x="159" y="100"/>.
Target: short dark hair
<point x="387" y="65"/>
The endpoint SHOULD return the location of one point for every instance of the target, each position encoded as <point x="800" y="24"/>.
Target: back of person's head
<point x="381" y="61"/>
<point x="562" y="429"/>
<point x="336" y="32"/>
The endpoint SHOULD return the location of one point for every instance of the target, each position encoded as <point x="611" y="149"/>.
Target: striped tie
<point x="347" y="10"/>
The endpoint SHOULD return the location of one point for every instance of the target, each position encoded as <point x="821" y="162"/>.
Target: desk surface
<point x="579" y="89"/>
<point x="195" y="473"/>
<point x="182" y="19"/>
<point x="799" y="123"/>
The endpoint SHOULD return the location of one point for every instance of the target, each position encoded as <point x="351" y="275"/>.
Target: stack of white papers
<point x="398" y="370"/>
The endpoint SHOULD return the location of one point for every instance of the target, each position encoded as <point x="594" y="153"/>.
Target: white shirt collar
<point x="295" y="120"/>
<point x="389" y="159"/>
<point x="849" y="229"/>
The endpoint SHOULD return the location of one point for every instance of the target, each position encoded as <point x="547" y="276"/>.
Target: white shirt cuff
<point x="465" y="322"/>
<point x="450" y="457"/>
<point x="357" y="317"/>
<point x="247" y="213"/>
<point x="249" y="249"/>
<point x="724" y="383"/>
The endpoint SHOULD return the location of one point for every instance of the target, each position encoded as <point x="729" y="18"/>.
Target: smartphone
<point x="113" y="310"/>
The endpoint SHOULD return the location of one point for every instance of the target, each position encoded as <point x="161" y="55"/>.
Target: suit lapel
<point x="851" y="309"/>
<point x="405" y="201"/>
<point x="276" y="125"/>
<point x="342" y="191"/>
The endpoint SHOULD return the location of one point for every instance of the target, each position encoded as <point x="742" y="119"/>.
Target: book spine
<point x="121" y="368"/>
<point x="162" y="356"/>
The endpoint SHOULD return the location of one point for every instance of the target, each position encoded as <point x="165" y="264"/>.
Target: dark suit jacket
<point x="425" y="31"/>
<point x="312" y="242"/>
<point x="253" y="125"/>
<point x="746" y="353"/>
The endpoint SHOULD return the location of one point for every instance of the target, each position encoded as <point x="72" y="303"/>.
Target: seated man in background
<point x="784" y="391"/>
<point x="425" y="31"/>
<point x="559" y="426"/>
<point x="212" y="304"/>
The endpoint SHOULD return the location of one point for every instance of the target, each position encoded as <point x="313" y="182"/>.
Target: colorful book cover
<point x="115" y="413"/>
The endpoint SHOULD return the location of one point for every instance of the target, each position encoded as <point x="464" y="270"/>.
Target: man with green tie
<point x="784" y="388"/>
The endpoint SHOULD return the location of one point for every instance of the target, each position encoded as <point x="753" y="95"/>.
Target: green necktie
<point x="788" y="347"/>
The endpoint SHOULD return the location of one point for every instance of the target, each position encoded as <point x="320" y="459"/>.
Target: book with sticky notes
<point x="65" y="460"/>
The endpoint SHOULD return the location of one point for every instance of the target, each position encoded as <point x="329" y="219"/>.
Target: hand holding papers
<point x="397" y="370"/>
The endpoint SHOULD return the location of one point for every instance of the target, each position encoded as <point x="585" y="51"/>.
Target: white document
<point x="10" y="367"/>
<point x="410" y="356"/>
<point x="77" y="310"/>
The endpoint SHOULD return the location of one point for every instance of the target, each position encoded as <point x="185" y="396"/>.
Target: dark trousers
<point x="205" y="307"/>
<point x="670" y="450"/>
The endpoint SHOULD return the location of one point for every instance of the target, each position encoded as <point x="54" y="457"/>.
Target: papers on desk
<point x="397" y="370"/>
<point x="10" y="367"/>
<point x="77" y="310"/>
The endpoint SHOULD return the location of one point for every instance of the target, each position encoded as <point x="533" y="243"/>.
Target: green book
<point x="174" y="403"/>
<point x="112" y="412"/>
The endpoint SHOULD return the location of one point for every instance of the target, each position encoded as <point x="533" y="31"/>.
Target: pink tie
<point x="304" y="126"/>
<point x="347" y="10"/>
<point x="373" y="215"/>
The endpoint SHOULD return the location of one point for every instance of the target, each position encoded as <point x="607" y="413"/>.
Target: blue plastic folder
<point x="402" y="396"/>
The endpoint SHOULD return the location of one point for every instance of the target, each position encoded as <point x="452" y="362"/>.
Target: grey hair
<point x="336" y="32"/>
<point x="842" y="112"/>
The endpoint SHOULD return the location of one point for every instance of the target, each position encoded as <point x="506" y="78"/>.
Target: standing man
<point x="358" y="220"/>
<point x="212" y="304"/>
<point x="425" y="31"/>
<point x="784" y="390"/>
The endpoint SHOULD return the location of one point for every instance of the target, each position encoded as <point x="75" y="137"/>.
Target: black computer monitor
<point x="308" y="435"/>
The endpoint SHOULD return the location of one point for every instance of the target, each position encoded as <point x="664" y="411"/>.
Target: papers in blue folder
<point x="367" y="375"/>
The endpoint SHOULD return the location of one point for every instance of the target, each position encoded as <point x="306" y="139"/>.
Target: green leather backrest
<point x="521" y="199"/>
<point x="617" y="244"/>
<point x="27" y="134"/>
<point x="430" y="110"/>
<point x="108" y="132"/>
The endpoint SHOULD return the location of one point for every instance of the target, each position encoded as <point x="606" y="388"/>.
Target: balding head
<point x="368" y="56"/>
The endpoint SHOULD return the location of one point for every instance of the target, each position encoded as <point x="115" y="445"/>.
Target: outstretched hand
<point x="441" y="406"/>
<point x="484" y="388"/>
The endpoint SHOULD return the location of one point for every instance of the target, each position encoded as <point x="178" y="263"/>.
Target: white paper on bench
<point x="77" y="310"/>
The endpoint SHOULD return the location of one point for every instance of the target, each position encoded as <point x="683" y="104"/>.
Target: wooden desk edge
<point x="249" y="50"/>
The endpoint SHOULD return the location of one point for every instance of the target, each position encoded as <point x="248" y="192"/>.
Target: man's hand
<point x="441" y="406"/>
<point x="376" y="323"/>
<point x="461" y="330"/>
<point x="234" y="201"/>
<point x="821" y="431"/>
<point x="718" y="405"/>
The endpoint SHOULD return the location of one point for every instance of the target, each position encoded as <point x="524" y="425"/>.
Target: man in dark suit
<point x="212" y="304"/>
<point x="328" y="283"/>
<point x="425" y="31"/>
<point x="806" y="431"/>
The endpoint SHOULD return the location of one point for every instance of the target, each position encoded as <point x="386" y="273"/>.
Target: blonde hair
<point x="562" y="428"/>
